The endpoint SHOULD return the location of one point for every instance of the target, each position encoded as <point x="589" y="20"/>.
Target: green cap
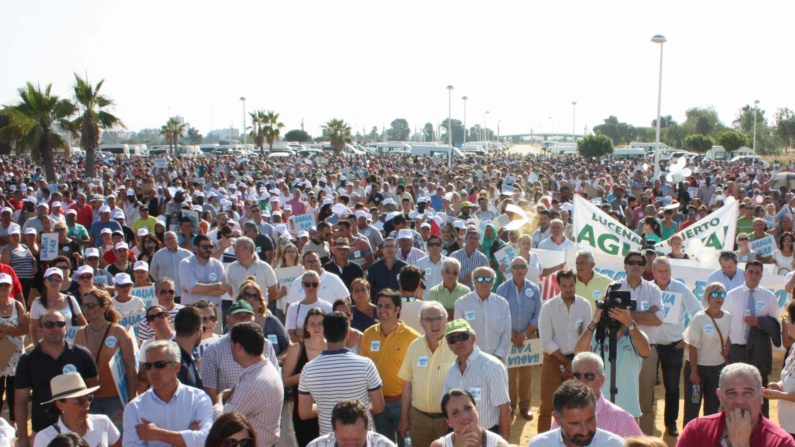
<point x="466" y="204"/>
<point x="457" y="326"/>
<point x="240" y="306"/>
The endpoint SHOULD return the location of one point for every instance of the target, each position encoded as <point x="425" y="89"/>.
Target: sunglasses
<point x="589" y="377"/>
<point x="123" y="285"/>
<point x="251" y="296"/>
<point x="434" y="244"/>
<point x="53" y="279"/>
<point x="451" y="272"/>
<point x="519" y="266"/>
<point x="160" y="364"/>
<point x="633" y="262"/>
<point x="159" y="315"/>
<point x="311" y="284"/>
<point x="456" y="338"/>
<point x="745" y="239"/>
<point x="212" y="318"/>
<point x="487" y="279"/>
<point x="717" y="294"/>
<point x="786" y="240"/>
<point x="206" y="247"/>
<point x="168" y="292"/>
<point x="85" y="276"/>
<point x="90" y="306"/>
<point x="52" y="324"/>
<point x="66" y="267"/>
<point x="245" y="442"/>
<point x="408" y="299"/>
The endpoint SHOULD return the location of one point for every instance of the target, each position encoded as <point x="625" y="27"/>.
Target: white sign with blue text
<point x="764" y="246"/>
<point x="530" y="354"/>
<point x="303" y="222"/>
<point x="672" y="302"/>
<point x="49" y="246"/>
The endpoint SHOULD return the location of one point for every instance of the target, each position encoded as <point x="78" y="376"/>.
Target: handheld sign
<point x="672" y="302"/>
<point x="504" y="256"/>
<point x="528" y="355"/>
<point x="119" y="377"/>
<point x="147" y="294"/>
<point x="303" y="222"/>
<point x="161" y="163"/>
<point x="49" y="246"/>
<point x="764" y="246"/>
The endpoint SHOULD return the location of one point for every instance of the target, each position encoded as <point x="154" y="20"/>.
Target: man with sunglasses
<point x="431" y="265"/>
<point x="589" y="369"/>
<point x="53" y="356"/>
<point x="201" y="275"/>
<point x="483" y="375"/>
<point x="169" y="412"/>
<point x="164" y="291"/>
<point x="487" y="313"/>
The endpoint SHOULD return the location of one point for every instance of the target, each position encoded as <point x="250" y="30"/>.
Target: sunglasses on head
<point x="453" y="339"/>
<point x="487" y="279"/>
<point x="160" y="364"/>
<point x="634" y="262"/>
<point x="245" y="442"/>
<point x="311" y="284"/>
<point x="52" y="324"/>
<point x="717" y="294"/>
<point x="159" y="315"/>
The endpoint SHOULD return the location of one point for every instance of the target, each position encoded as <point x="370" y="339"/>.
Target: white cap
<point x="121" y="245"/>
<point x="5" y="278"/>
<point x="287" y="207"/>
<point x="143" y="232"/>
<point x="6" y="209"/>
<point x="85" y="268"/>
<point x="459" y="225"/>
<point x="389" y="201"/>
<point x="43" y="204"/>
<point x="32" y="231"/>
<point x="30" y="199"/>
<point x="71" y="211"/>
<point x="104" y="209"/>
<point x="118" y="214"/>
<point x="198" y="194"/>
<point x="105" y="231"/>
<point x="56" y="204"/>
<point x="14" y="230"/>
<point x="404" y="234"/>
<point x="197" y="208"/>
<point x="275" y="213"/>
<point x="141" y="265"/>
<point x="130" y="192"/>
<point x="24" y="187"/>
<point x="53" y="271"/>
<point x="426" y="224"/>
<point x="92" y="252"/>
<point x="303" y="234"/>
<point x="360" y="213"/>
<point x="421" y="200"/>
<point x="327" y="201"/>
<point x="122" y="279"/>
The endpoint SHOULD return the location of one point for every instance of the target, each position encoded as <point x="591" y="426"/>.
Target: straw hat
<point x="69" y="385"/>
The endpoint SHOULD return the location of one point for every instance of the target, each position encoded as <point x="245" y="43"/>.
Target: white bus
<point x="628" y="154"/>
<point x="115" y="149"/>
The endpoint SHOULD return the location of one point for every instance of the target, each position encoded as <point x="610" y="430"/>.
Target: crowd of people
<point x="365" y="301"/>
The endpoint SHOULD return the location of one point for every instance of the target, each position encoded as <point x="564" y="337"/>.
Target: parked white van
<point x="435" y="151"/>
<point x="115" y="149"/>
<point x="188" y="151"/>
<point x="208" y="148"/>
<point x="628" y="154"/>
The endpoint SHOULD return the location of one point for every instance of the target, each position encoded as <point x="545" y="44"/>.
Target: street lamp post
<point x="756" y="112"/>
<point x="450" y="125"/>
<point x="660" y="40"/>
<point x="551" y="127"/>
<point x="485" y="132"/>
<point x="465" y="119"/>
<point x="498" y="130"/>
<point x="245" y="140"/>
<point x="573" y="122"/>
<point x="211" y="126"/>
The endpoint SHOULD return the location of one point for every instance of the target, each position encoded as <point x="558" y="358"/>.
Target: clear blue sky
<point x="371" y="62"/>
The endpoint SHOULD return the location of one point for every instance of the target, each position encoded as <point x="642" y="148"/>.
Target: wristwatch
<point x="632" y="326"/>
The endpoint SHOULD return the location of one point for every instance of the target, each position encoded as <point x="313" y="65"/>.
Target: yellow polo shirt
<point x="595" y="289"/>
<point x="387" y="352"/>
<point x="426" y="371"/>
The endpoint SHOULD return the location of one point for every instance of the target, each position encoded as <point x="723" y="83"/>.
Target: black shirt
<point x="380" y="277"/>
<point x="349" y="272"/>
<point x="36" y="369"/>
<point x="263" y="245"/>
<point x="188" y="373"/>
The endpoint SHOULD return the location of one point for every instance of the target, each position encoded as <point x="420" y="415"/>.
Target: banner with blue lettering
<point x="530" y="354"/>
<point x="49" y="246"/>
<point x="303" y="222"/>
<point x="119" y="377"/>
<point x="672" y="302"/>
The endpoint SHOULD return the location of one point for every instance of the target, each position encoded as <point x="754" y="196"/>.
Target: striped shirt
<point x="427" y="372"/>
<point x="336" y="375"/>
<point x="145" y="332"/>
<point x="469" y="264"/>
<point x="487" y="379"/>
<point x="219" y="371"/>
<point x="412" y="257"/>
<point x="559" y="327"/>
<point x="610" y="417"/>
<point x="21" y="261"/>
<point x="490" y="319"/>
<point x="258" y="395"/>
<point x="373" y="440"/>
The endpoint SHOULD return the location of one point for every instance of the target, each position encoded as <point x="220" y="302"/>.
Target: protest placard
<point x="672" y="302"/>
<point x="303" y="222"/>
<point x="528" y="355"/>
<point x="195" y="219"/>
<point x="136" y="353"/>
<point x="161" y="163"/>
<point x="119" y="377"/>
<point x="146" y="293"/>
<point x="504" y="256"/>
<point x="550" y="258"/>
<point x="285" y="277"/>
<point x="503" y="220"/>
<point x="693" y="192"/>
<point x="49" y="246"/>
<point x="764" y="246"/>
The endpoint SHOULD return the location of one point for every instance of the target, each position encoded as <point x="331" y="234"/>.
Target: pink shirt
<point x="298" y="207"/>
<point x="610" y="417"/>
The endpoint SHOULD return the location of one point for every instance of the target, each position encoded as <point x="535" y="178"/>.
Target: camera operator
<point x="632" y="347"/>
<point x="648" y="315"/>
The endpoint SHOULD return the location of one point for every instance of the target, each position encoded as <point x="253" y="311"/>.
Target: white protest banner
<point x="161" y="163"/>
<point x="285" y="277"/>
<point x="672" y="302"/>
<point x="785" y="211"/>
<point x="147" y="294"/>
<point x="763" y="247"/>
<point x="503" y="220"/>
<point x="770" y="221"/>
<point x="303" y="222"/>
<point x="504" y="256"/>
<point x="49" y="246"/>
<point x="71" y="333"/>
<point x="119" y="377"/>
<point x="132" y="320"/>
<point x="550" y="258"/>
<point x="528" y="355"/>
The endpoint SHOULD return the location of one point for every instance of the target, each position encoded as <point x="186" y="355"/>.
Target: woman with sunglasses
<point x="13" y="326"/>
<point x="707" y="339"/>
<point x="310" y="284"/>
<point x="353" y="338"/>
<point x="53" y="299"/>
<point x="73" y="409"/>
<point x="124" y="302"/>
<point x="364" y="311"/>
<point x="159" y="320"/>
<point x="231" y="430"/>
<point x="744" y="253"/>
<point x="534" y="267"/>
<point x="783" y="256"/>
<point x="301" y="353"/>
<point x="104" y="337"/>
<point x="272" y="328"/>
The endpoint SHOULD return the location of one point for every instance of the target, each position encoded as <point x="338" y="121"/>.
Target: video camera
<point x="615" y="299"/>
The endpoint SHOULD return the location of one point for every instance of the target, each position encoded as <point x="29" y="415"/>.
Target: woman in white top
<point x="783" y="256"/>
<point x="310" y="285"/>
<point x="534" y="267"/>
<point x="53" y="299"/>
<point x="124" y="303"/>
<point x="784" y="389"/>
<point x="744" y="254"/>
<point x="461" y="414"/>
<point x="707" y="338"/>
<point x="72" y="404"/>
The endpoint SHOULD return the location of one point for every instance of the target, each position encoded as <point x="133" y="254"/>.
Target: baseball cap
<point x="240" y="306"/>
<point x="53" y="271"/>
<point x="31" y="230"/>
<point x="13" y="230"/>
<point x="457" y="326"/>
<point x="141" y="265"/>
<point x="122" y="279"/>
<point x="85" y="268"/>
<point x="121" y="245"/>
<point x="71" y="211"/>
<point x="6" y="210"/>
<point x="466" y="204"/>
<point x="404" y="234"/>
<point x="360" y="213"/>
<point x="92" y="252"/>
<point x="104" y="209"/>
<point x="5" y="278"/>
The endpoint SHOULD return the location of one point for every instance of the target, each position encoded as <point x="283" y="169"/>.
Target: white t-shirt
<point x="331" y="289"/>
<point x="296" y="313"/>
<point x="702" y="335"/>
<point x="135" y="305"/>
<point x="101" y="432"/>
<point x="37" y="310"/>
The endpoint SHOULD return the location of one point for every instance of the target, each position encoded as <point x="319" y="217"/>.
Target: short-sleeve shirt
<point x="192" y="272"/>
<point x="628" y="364"/>
<point x="703" y="335"/>
<point x="388" y="352"/>
<point x="426" y="371"/>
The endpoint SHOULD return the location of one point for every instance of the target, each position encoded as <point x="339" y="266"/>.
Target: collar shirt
<point x="486" y="378"/>
<point x="728" y="283"/>
<point x="258" y="395"/>
<point x="553" y="438"/>
<point x="186" y="406"/>
<point x="539" y="236"/>
<point x="765" y="305"/>
<point x="192" y="272"/>
<point x="524" y="303"/>
<point x="549" y="244"/>
<point x="426" y="371"/>
<point x="373" y="440"/>
<point x="611" y="418"/>
<point x="647" y="295"/>
<point x="559" y="326"/>
<point x="381" y="277"/>
<point x="220" y="371"/>
<point x="388" y="352"/>
<point x="433" y="273"/>
<point x="331" y="289"/>
<point x="100" y="433"/>
<point x="669" y="333"/>
<point x="469" y="263"/>
<point x="534" y="268"/>
<point x="413" y="256"/>
<point x="490" y="319"/>
<point x="628" y="365"/>
<point x="236" y="275"/>
<point x="165" y="264"/>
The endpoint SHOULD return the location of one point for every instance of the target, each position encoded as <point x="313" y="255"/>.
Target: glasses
<point x="245" y="442"/>
<point x="160" y="364"/>
<point x="123" y="285"/>
<point x="487" y="279"/>
<point x="90" y="306"/>
<point x="52" y="324"/>
<point x="168" y="292"/>
<point x="589" y="377"/>
<point x="66" y="267"/>
<point x="83" y="399"/>
<point x="254" y="296"/>
<point x="4" y="285"/>
<point x="434" y="244"/>
<point x="633" y="262"/>
<point x="157" y="316"/>
<point x="786" y="240"/>
<point x="53" y="279"/>
<point x="206" y="247"/>
<point x="311" y="284"/>
<point x="718" y="294"/>
<point x="451" y="272"/>
<point x="745" y="239"/>
<point x="60" y="229"/>
<point x="212" y="318"/>
<point x="519" y="266"/>
<point x="456" y="338"/>
<point x="438" y="319"/>
<point x="408" y="299"/>
<point x="85" y="276"/>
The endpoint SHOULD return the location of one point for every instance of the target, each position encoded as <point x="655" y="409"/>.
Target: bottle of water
<point x="407" y="440"/>
<point x="696" y="397"/>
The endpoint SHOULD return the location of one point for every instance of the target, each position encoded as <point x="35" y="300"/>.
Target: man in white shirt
<point x="747" y="304"/>
<point x="249" y="264"/>
<point x="431" y="265"/>
<point x="557" y="240"/>
<point x="575" y="413"/>
<point x="349" y="425"/>
<point x="560" y="323"/>
<point x="488" y="313"/>
<point x="728" y="274"/>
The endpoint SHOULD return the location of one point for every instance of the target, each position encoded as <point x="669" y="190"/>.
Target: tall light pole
<point x="211" y="126"/>
<point x="756" y="112"/>
<point x="465" y="119"/>
<point x="660" y="40"/>
<point x="450" y="125"/>
<point x="573" y="122"/>
<point x="485" y="132"/>
<point x="551" y="127"/>
<point x="498" y="130"/>
<point x="169" y="113"/>
<point x="245" y="140"/>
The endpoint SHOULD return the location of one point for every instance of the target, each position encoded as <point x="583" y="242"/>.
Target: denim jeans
<point x="110" y="407"/>
<point x="671" y="360"/>
<point x="386" y="422"/>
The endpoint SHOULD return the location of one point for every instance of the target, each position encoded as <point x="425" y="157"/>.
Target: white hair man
<point x="488" y="313"/>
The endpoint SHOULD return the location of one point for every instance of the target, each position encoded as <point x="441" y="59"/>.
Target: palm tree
<point x="271" y="127"/>
<point x="338" y="133"/>
<point x="172" y="130"/>
<point x="31" y="124"/>
<point x="93" y="116"/>
<point x="257" y="119"/>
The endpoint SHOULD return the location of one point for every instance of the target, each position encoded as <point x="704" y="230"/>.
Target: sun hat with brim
<point x="69" y="385"/>
<point x="457" y="326"/>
